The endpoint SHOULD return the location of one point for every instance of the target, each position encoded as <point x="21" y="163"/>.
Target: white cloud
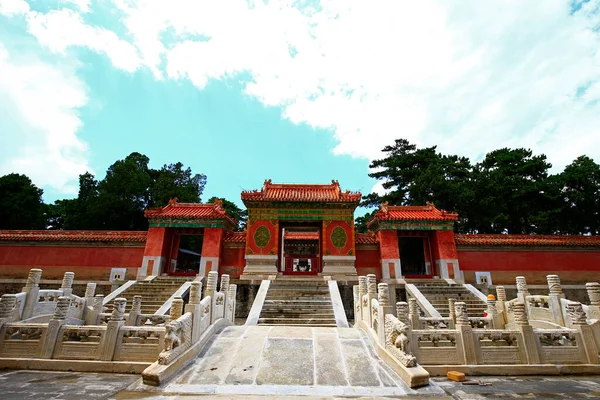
<point x="38" y="110"/>
<point x="469" y="76"/>
<point x="60" y="29"/>
<point x="82" y="5"/>
<point x="13" y="7"/>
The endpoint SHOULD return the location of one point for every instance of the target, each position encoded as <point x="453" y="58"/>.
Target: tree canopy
<point x="508" y="191"/>
<point x="21" y="205"/>
<point x="118" y="201"/>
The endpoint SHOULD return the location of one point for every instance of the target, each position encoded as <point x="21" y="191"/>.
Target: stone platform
<point x="280" y="360"/>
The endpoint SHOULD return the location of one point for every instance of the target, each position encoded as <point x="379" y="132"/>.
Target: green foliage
<point x="234" y="212"/>
<point x="509" y="191"/>
<point x="360" y="224"/>
<point x="21" y="205"/>
<point x="118" y="201"/>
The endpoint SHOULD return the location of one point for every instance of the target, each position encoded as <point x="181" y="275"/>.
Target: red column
<point x="390" y="254"/>
<point x="212" y="243"/>
<point x="174" y="252"/>
<point x="445" y="255"/>
<point x="156" y="253"/>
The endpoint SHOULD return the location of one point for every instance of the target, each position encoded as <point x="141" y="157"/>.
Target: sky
<point x="294" y="91"/>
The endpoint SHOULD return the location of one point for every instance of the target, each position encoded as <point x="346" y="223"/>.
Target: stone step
<point x="296" y="321"/>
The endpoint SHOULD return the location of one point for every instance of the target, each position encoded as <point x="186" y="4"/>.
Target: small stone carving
<point x="62" y="307"/>
<point x="462" y="318"/>
<point x="397" y="341"/>
<point x="593" y="291"/>
<point x="176" y="308"/>
<point x="402" y="311"/>
<point x="557" y="338"/>
<point x="520" y="313"/>
<point x="33" y="280"/>
<point x="23" y="332"/>
<point x="224" y="284"/>
<point x="383" y="294"/>
<point x="554" y="284"/>
<point x="153" y="319"/>
<point x="7" y="304"/>
<point x="211" y="282"/>
<point x="522" y="285"/>
<point x="177" y="338"/>
<point x="67" y="282"/>
<point x="576" y="313"/>
<point x="195" y="292"/>
<point x="500" y="293"/>
<point x="118" y="310"/>
<point x="90" y="289"/>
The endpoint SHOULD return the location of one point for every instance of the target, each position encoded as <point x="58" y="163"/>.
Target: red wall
<point x="271" y="247"/>
<point x="368" y="262"/>
<point x="330" y="249"/>
<point x="506" y="264"/>
<point x="233" y="261"/>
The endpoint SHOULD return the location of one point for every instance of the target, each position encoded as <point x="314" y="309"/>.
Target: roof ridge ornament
<point x="173" y="201"/>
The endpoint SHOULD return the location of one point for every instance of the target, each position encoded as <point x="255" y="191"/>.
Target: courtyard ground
<point x="70" y="385"/>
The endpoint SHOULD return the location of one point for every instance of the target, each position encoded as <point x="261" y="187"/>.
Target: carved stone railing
<point x="22" y="340"/>
<point x="178" y="338"/>
<point x="136" y="343"/>
<point x="152" y="319"/>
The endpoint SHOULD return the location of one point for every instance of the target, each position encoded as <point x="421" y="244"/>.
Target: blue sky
<point x="293" y="91"/>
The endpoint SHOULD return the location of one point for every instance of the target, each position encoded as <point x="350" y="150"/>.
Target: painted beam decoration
<point x="412" y="218"/>
<point x="326" y="204"/>
<point x="190" y="215"/>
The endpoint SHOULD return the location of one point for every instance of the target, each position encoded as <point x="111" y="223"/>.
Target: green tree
<point x="173" y="180"/>
<point x="580" y="194"/>
<point x="360" y="223"/>
<point x="21" y="205"/>
<point x="234" y="212"/>
<point x="509" y="188"/>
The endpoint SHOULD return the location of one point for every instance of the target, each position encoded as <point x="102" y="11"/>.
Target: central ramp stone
<point x="285" y="360"/>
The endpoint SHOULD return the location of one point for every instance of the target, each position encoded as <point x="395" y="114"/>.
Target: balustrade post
<point x="593" y="291"/>
<point x="371" y="294"/>
<point x="211" y="290"/>
<point x="529" y="341"/>
<point x="232" y="301"/>
<point x="67" y="283"/>
<point x="463" y="326"/>
<point x="224" y="288"/>
<point x="452" y="312"/>
<point x="176" y="310"/>
<point x="357" y="303"/>
<point x="93" y="317"/>
<point x="193" y="307"/>
<point x="492" y="312"/>
<point x="32" y="288"/>
<point x="402" y="312"/>
<point x="555" y="296"/>
<point x="522" y="290"/>
<point x="383" y="298"/>
<point x="579" y="322"/>
<point x="501" y="302"/>
<point x="136" y="310"/>
<point x="362" y="292"/>
<point x="56" y="322"/>
<point x="413" y="313"/>
<point x="8" y="303"/>
<point x="116" y="321"/>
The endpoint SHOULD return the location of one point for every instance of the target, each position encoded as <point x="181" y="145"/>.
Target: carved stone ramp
<point x="278" y="361"/>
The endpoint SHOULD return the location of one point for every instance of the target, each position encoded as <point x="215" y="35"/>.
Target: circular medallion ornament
<point x="262" y="236"/>
<point x="339" y="237"/>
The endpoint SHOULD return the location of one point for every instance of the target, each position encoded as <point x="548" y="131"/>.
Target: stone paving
<point x="70" y="385"/>
<point x="61" y="385"/>
<point x="283" y="360"/>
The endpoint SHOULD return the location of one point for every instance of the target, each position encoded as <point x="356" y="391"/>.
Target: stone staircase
<point x="297" y="303"/>
<point x="438" y="291"/>
<point x="154" y="293"/>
